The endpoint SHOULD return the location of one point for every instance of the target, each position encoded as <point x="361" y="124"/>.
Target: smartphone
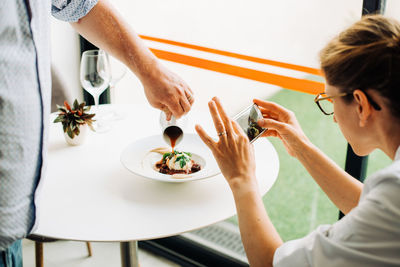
<point x="247" y="119"/>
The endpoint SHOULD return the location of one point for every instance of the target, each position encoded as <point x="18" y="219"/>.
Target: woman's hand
<point x="233" y="151"/>
<point x="167" y="91"/>
<point x="282" y="123"/>
<point x="235" y="157"/>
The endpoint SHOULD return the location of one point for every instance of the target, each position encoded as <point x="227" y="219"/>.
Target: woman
<point x="362" y="71"/>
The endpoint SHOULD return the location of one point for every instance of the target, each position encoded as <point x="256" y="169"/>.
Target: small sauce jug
<point x="172" y="130"/>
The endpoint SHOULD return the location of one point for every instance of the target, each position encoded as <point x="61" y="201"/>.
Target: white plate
<point x="138" y="159"/>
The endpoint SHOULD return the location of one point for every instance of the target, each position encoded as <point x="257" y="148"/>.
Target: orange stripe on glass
<point x="235" y="55"/>
<point x="302" y="85"/>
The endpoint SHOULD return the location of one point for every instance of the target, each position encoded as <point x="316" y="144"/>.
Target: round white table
<point x="88" y="195"/>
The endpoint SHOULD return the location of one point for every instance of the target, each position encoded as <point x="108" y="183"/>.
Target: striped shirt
<point x="25" y="105"/>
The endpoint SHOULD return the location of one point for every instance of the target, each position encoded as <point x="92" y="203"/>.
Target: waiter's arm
<point x="104" y="27"/>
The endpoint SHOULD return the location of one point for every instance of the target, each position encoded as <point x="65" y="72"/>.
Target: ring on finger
<point x="222" y="133"/>
<point x="189" y="98"/>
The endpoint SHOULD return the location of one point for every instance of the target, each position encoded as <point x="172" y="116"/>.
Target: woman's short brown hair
<point x="366" y="56"/>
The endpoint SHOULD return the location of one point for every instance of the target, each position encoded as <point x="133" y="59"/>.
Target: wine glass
<point x="118" y="71"/>
<point x="95" y="78"/>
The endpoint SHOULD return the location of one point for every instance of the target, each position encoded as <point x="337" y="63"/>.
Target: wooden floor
<point x="74" y="254"/>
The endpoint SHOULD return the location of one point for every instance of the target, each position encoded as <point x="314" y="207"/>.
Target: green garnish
<point x="183" y="158"/>
<point x="182" y="163"/>
<point x="167" y="155"/>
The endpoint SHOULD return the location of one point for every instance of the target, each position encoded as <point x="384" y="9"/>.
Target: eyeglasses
<point x="327" y="106"/>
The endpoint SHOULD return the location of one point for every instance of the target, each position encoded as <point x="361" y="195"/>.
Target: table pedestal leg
<point x="129" y="254"/>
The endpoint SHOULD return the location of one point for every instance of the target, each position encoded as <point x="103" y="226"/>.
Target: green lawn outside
<point x="296" y="204"/>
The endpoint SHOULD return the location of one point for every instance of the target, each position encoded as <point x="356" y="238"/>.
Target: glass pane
<point x="250" y="34"/>
<point x="283" y="31"/>
<point x="296" y="204"/>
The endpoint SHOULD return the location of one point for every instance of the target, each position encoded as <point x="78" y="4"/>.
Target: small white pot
<point x="78" y="139"/>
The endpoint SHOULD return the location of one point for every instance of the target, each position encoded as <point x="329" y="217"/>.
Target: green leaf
<point x="180" y="158"/>
<point x="189" y="154"/>
<point x="69" y="132"/>
<point x="59" y="119"/>
<point x="166" y="155"/>
<point x="61" y="108"/>
<point x="182" y="163"/>
<point x="76" y="104"/>
<point x="186" y="156"/>
<point x="77" y="131"/>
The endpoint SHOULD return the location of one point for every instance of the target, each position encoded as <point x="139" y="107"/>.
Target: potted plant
<point x="75" y="121"/>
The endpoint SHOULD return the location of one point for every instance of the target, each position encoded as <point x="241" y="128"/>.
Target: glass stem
<point x="96" y="102"/>
<point x="112" y="86"/>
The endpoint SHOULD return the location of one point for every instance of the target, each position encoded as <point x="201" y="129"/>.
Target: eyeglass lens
<point x="326" y="105"/>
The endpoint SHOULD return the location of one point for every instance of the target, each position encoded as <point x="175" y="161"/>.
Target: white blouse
<point x="369" y="235"/>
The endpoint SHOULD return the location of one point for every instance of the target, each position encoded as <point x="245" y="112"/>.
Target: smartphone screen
<point x="247" y="119"/>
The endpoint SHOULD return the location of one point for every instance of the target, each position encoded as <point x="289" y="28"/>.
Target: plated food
<point x="140" y="158"/>
<point x="175" y="162"/>
<point x="254" y="130"/>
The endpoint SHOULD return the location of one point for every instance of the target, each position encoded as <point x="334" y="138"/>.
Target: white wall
<point x="290" y="31"/>
<point x="65" y="57"/>
<point x="393" y="9"/>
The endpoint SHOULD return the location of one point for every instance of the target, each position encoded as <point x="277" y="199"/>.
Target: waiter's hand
<point x="167" y="91"/>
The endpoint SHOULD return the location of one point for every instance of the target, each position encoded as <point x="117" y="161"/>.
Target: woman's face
<point x="346" y="116"/>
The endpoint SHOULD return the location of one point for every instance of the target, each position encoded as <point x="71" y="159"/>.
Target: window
<point x="252" y="36"/>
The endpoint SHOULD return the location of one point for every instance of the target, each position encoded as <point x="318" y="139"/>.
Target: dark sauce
<point x="173" y="133"/>
<point x="163" y="168"/>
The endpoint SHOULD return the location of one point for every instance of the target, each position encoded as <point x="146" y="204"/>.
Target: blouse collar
<point x="397" y="155"/>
